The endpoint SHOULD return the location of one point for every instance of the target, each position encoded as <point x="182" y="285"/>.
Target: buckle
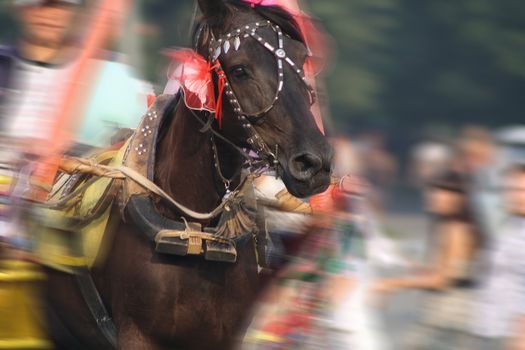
<point x="220" y="251"/>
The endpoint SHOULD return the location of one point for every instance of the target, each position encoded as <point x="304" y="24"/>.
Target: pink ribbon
<point x="191" y="72"/>
<point x="254" y="3"/>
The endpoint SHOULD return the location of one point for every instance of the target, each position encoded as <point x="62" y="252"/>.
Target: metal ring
<point x="280" y="53"/>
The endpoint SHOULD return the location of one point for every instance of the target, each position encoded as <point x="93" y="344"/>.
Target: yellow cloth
<point x="20" y="306"/>
<point x="62" y="242"/>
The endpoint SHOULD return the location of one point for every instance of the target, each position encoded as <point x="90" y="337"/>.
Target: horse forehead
<point x="242" y="17"/>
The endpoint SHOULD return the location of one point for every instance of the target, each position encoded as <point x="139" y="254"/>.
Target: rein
<point x="123" y="172"/>
<point x="153" y="188"/>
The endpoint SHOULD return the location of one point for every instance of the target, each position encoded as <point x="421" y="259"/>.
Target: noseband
<point x="230" y="42"/>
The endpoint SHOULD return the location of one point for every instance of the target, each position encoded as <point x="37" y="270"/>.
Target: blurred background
<point x="406" y="69"/>
<point x="415" y="86"/>
<point x="403" y="67"/>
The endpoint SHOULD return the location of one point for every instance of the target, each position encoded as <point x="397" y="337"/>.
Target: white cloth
<point x="35" y="98"/>
<point x="358" y="325"/>
<point x="114" y="99"/>
<point x="502" y="297"/>
<point x="278" y="221"/>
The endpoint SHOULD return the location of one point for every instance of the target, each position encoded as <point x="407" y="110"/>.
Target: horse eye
<point x="239" y="72"/>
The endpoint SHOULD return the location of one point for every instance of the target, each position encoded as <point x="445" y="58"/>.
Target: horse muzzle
<point x="307" y="173"/>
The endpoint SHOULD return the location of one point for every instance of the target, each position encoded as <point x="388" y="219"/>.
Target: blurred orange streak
<point x="106" y="17"/>
<point x="323" y="203"/>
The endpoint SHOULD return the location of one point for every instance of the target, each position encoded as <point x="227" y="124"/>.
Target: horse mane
<point x="275" y="14"/>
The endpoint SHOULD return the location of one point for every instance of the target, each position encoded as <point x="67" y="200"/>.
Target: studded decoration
<point x="237" y="43"/>
<point x="222" y="46"/>
<point x="217" y="53"/>
<point x="140" y="149"/>
<point x="146" y="130"/>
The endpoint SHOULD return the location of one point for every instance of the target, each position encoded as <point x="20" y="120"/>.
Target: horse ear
<point x="212" y="8"/>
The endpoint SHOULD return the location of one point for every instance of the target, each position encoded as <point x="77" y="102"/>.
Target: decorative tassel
<point x="237" y="220"/>
<point x="220" y="89"/>
<point x="240" y="213"/>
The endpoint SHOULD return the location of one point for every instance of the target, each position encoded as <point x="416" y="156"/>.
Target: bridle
<point x="231" y="42"/>
<point x="221" y="46"/>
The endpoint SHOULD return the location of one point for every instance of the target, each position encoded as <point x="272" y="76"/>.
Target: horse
<point x="163" y="301"/>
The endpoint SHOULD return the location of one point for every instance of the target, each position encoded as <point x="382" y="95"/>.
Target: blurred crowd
<point x="470" y="278"/>
<point x="61" y="92"/>
<point x="336" y="269"/>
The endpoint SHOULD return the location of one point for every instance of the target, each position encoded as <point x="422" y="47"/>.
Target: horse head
<point x="259" y="53"/>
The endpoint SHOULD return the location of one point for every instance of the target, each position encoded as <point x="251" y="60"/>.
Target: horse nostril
<point x="305" y="165"/>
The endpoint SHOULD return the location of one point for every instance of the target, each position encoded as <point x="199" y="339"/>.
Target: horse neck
<point x="185" y="166"/>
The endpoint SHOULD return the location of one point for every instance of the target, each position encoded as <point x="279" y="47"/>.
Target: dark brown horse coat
<point x="168" y="302"/>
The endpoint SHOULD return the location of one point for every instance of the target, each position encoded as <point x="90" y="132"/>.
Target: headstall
<point x="231" y="42"/>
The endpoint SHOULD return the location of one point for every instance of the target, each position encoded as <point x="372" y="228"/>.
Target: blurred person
<point x="452" y="273"/>
<point x="346" y="157"/>
<point x="379" y="167"/>
<point x="285" y="218"/>
<point x="296" y="309"/>
<point x="36" y="73"/>
<point x="38" y="67"/>
<point x="333" y="264"/>
<point x="476" y="148"/>
<point x="363" y="250"/>
<point x="500" y="317"/>
<point x="428" y="159"/>
<point x="477" y="159"/>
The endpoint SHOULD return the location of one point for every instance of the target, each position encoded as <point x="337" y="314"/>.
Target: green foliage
<point x="8" y="25"/>
<point x="402" y="64"/>
<point x="408" y="63"/>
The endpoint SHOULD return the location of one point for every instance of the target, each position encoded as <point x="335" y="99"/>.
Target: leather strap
<point x="153" y="188"/>
<point x="96" y="305"/>
<point x="124" y="172"/>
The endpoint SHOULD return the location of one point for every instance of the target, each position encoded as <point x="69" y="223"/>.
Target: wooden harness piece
<point x="89" y="192"/>
<point x="169" y="236"/>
